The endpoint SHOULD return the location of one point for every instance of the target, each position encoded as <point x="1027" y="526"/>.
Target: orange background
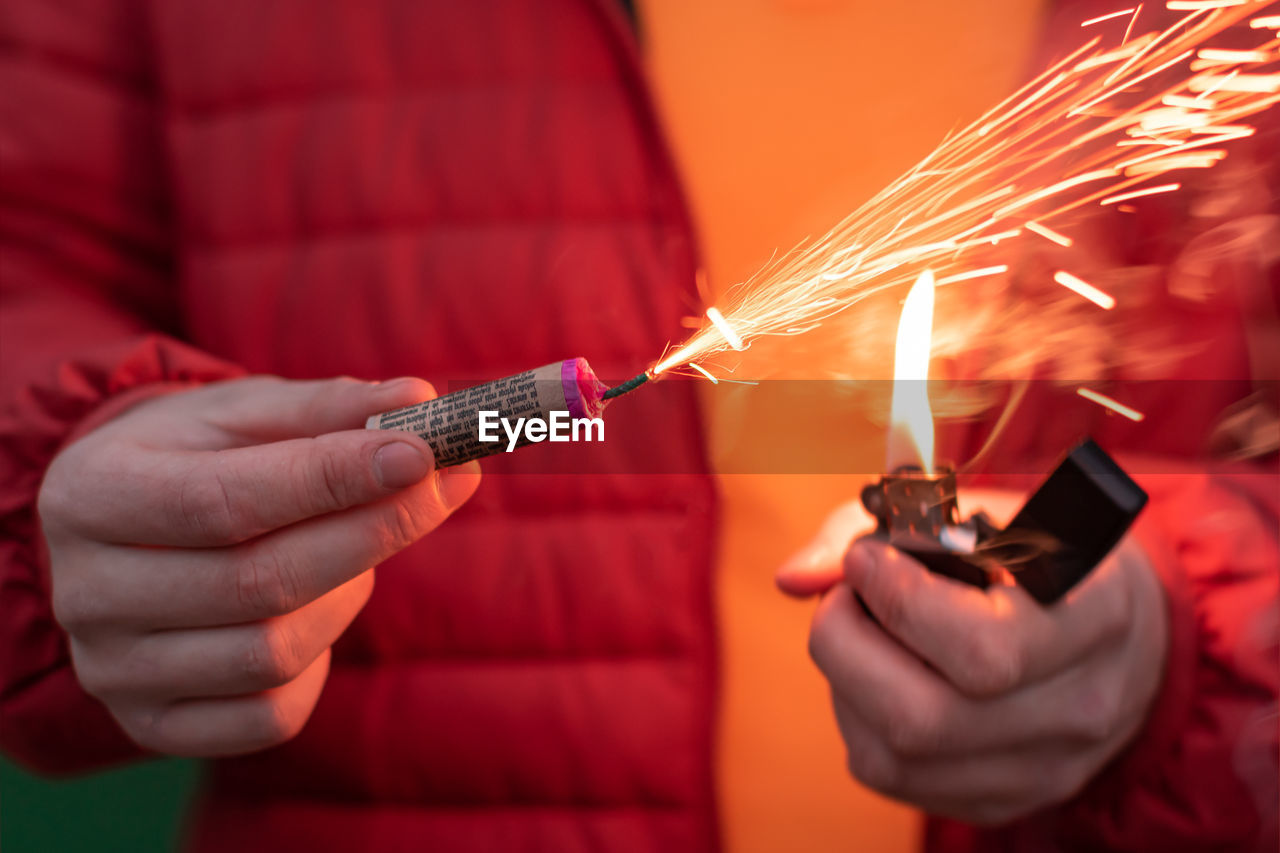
<point x="785" y="115"/>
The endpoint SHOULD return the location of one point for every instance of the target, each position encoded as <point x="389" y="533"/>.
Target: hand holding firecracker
<point x="207" y="547"/>
<point x="982" y="705"/>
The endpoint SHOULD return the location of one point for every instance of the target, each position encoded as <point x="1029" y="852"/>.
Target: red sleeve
<point x="87" y="311"/>
<point x="1203" y="775"/>
<point x="1205" y="772"/>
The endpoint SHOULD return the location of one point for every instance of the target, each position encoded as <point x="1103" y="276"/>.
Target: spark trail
<point x="1113" y="121"/>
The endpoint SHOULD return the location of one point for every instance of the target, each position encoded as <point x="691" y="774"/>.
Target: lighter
<point x="1065" y="529"/>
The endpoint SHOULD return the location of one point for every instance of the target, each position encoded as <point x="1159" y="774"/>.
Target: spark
<point x="705" y="373"/>
<point x="1201" y="5"/>
<point x="1173" y="118"/>
<point x="1123" y="52"/>
<point x="1112" y="92"/>
<point x="1129" y="29"/>
<point x="717" y="319"/>
<point x="1193" y="160"/>
<point x="1216" y="55"/>
<point x="1182" y="101"/>
<point x="1221" y="81"/>
<point x="1049" y="234"/>
<point x="1163" y="188"/>
<point x="1070" y="183"/>
<point x="1098" y="127"/>
<point x="1223" y="132"/>
<point x="1115" y="406"/>
<point x="1101" y="18"/>
<point x="1234" y="82"/>
<point x="1035" y="96"/>
<point x="1161" y="40"/>
<point x="1098" y="297"/>
<point x="1132" y="142"/>
<point x="989" y="239"/>
<point x="972" y="274"/>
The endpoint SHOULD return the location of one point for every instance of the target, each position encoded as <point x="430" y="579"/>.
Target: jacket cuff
<point x="112" y="407"/>
<point x="47" y="721"/>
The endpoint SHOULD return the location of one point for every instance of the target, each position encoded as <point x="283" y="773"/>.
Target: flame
<point x="911" y="417"/>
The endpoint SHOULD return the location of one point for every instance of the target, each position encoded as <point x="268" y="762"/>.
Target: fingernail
<point x="400" y="464"/>
<point x="808" y="559"/>
<point x="408" y="387"/>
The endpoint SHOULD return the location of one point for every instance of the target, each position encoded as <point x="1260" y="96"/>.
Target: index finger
<point x="816" y="567"/>
<point x="985" y="642"/>
<point x="195" y="499"/>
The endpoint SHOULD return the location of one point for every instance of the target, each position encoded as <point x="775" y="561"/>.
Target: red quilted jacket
<point x="452" y="190"/>
<point x="459" y="191"/>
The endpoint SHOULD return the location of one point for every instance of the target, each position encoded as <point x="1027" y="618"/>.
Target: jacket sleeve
<point x="1204" y="772"/>
<point x="1203" y="775"/>
<point x="88" y="316"/>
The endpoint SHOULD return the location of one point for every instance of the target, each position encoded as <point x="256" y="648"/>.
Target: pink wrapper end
<point x="583" y="393"/>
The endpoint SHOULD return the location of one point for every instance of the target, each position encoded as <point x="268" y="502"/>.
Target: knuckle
<point x="205" y="507"/>
<point x="114" y="671"/>
<point x="821" y="640"/>
<point x="401" y="526"/>
<point x="55" y="501"/>
<point x="1116" y="612"/>
<point x="325" y="483"/>
<point x="1057" y="783"/>
<point x="363" y="585"/>
<point x="267" y="582"/>
<point x="73" y="606"/>
<point x="96" y="679"/>
<point x="914" y="730"/>
<point x="321" y="394"/>
<point x="873" y="767"/>
<point x="1066" y="784"/>
<point x="144" y="726"/>
<point x="994" y="662"/>
<point x="1097" y="712"/>
<point x="272" y="658"/>
<point x="892" y="607"/>
<point x="275" y="721"/>
<point x="995" y="813"/>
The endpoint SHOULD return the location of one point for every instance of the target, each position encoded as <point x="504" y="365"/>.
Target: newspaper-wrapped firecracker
<point x="456" y="424"/>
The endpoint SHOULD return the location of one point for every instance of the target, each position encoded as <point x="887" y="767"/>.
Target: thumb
<point x="819" y="565"/>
